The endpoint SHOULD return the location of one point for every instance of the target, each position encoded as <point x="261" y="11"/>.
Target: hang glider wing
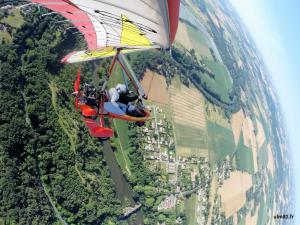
<point x="128" y="24"/>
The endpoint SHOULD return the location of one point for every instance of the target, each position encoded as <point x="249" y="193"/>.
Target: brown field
<point x="261" y="108"/>
<point x="270" y="165"/>
<point x="188" y="151"/>
<point x="233" y="192"/>
<point x="236" y="124"/>
<point x="248" y="132"/>
<point x="188" y="106"/>
<point x="182" y="36"/>
<point x="251" y="220"/>
<point x="155" y="87"/>
<point x="250" y="139"/>
<point x="188" y="114"/>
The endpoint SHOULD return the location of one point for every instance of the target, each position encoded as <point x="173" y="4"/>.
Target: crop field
<point x="187" y="104"/>
<point x="187" y="134"/>
<point x="15" y="20"/>
<point x="236" y="124"/>
<point x="221" y="83"/>
<point x="233" y="192"/>
<point x="192" y="38"/>
<point x="199" y="42"/>
<point x="190" y="141"/>
<point x="260" y="137"/>
<point x="252" y="219"/>
<point x="155" y="87"/>
<point x="270" y="164"/>
<point x="123" y="145"/>
<point x="190" y="208"/>
<point x="220" y="142"/>
<point x="262" y="214"/>
<point x="249" y="139"/>
<point x="263" y="154"/>
<point x="182" y="36"/>
<point x="244" y="157"/>
<point x="216" y="114"/>
<point x="188" y="119"/>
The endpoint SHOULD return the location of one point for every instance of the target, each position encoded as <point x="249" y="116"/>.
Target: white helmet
<point x="121" y="88"/>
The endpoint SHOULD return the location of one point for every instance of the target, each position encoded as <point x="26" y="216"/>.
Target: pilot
<point x="90" y="95"/>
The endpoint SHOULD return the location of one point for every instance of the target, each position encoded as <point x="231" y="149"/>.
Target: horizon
<point x="273" y="26"/>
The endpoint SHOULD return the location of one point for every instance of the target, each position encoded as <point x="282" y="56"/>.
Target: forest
<point x="49" y="163"/>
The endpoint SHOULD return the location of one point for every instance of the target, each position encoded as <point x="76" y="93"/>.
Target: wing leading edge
<point x="131" y="24"/>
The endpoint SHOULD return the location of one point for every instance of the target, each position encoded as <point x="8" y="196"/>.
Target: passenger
<point x="122" y="98"/>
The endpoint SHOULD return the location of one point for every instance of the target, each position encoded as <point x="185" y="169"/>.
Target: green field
<point x="121" y="128"/>
<point x="190" y="209"/>
<point x="15" y="19"/>
<point x="241" y="220"/>
<point x="220" y="142"/>
<point x="199" y="42"/>
<point x="221" y="83"/>
<point x="190" y="137"/>
<point x="244" y="157"/>
<point x="271" y="191"/>
<point x="262" y="213"/>
<point x="263" y="154"/>
<point x="123" y="145"/>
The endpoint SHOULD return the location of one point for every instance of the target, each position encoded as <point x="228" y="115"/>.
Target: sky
<point x="275" y="27"/>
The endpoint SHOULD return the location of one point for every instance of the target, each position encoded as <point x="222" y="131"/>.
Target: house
<point x="171" y="168"/>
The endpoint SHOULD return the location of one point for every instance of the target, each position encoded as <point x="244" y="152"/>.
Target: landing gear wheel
<point x="140" y="124"/>
<point x="103" y="139"/>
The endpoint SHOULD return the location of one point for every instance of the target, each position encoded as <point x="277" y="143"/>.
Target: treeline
<point x="239" y="76"/>
<point x="43" y="142"/>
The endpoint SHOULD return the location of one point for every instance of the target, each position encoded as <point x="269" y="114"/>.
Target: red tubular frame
<point x="108" y="132"/>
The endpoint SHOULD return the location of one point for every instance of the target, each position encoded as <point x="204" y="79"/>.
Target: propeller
<point x="76" y="88"/>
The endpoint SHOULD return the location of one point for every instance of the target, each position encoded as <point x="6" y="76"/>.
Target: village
<point x="186" y="175"/>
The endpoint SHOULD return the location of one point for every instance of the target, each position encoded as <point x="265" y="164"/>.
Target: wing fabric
<point x="129" y="24"/>
<point x="79" y="18"/>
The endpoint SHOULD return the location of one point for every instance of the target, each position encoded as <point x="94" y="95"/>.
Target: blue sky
<point x="275" y="27"/>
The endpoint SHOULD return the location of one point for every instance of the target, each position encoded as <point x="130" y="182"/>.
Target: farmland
<point x="190" y="208"/>
<point x="192" y="38"/>
<point x="236" y="123"/>
<point x="233" y="192"/>
<point x="220" y="142"/>
<point x="244" y="157"/>
<point x="123" y="145"/>
<point x="152" y="82"/>
<point x="189" y="120"/>
<point x="221" y="83"/>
